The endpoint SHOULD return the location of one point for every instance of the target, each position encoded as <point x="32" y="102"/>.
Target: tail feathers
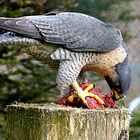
<point x="10" y="38"/>
<point x="21" y="26"/>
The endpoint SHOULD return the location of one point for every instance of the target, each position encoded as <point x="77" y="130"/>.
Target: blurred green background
<point x="23" y="79"/>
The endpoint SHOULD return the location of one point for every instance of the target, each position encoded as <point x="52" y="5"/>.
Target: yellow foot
<point x="71" y="97"/>
<point x="83" y="94"/>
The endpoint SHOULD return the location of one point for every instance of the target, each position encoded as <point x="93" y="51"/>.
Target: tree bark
<point x="55" y="122"/>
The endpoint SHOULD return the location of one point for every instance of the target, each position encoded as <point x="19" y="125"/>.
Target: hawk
<point x="72" y="43"/>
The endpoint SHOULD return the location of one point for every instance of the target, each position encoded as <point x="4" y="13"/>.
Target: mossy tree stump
<point x="54" y="122"/>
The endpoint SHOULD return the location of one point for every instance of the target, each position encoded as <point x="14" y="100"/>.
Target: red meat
<point x="91" y="102"/>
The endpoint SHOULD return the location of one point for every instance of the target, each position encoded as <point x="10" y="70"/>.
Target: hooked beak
<point x="116" y="96"/>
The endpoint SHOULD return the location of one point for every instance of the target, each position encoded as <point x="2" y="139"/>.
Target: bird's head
<point x="120" y="81"/>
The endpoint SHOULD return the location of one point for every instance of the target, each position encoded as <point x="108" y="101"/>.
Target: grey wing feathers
<point x="78" y="32"/>
<point x="22" y="26"/>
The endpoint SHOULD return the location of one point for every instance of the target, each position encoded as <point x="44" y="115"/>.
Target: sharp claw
<point x="85" y="106"/>
<point x="84" y="99"/>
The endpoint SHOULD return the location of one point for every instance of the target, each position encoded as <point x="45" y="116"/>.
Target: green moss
<point x="51" y="121"/>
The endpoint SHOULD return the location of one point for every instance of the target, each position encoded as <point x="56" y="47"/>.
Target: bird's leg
<point x="67" y="75"/>
<point x="82" y="94"/>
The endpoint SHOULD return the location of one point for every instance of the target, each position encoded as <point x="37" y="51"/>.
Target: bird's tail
<point x="22" y="26"/>
<point x="11" y="38"/>
<point x="18" y="31"/>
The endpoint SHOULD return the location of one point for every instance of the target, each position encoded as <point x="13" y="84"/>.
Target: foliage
<point x="135" y="126"/>
<point x="23" y="78"/>
<point x="2" y="125"/>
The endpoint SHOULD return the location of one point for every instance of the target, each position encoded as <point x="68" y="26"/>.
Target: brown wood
<point x="54" y="122"/>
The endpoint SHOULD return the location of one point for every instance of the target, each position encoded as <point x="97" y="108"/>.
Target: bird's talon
<point x="85" y="106"/>
<point x="85" y="94"/>
<point x="82" y="94"/>
<point x="90" y="94"/>
<point x="89" y="87"/>
<point x="71" y="97"/>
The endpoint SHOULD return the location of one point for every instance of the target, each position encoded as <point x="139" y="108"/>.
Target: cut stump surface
<point x="55" y="122"/>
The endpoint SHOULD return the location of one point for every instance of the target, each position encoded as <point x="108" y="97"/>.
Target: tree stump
<point x="55" y="122"/>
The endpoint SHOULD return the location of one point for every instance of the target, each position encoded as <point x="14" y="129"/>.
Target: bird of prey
<point x="72" y="43"/>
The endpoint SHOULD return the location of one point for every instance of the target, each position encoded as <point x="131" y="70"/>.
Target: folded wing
<point x="77" y="32"/>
